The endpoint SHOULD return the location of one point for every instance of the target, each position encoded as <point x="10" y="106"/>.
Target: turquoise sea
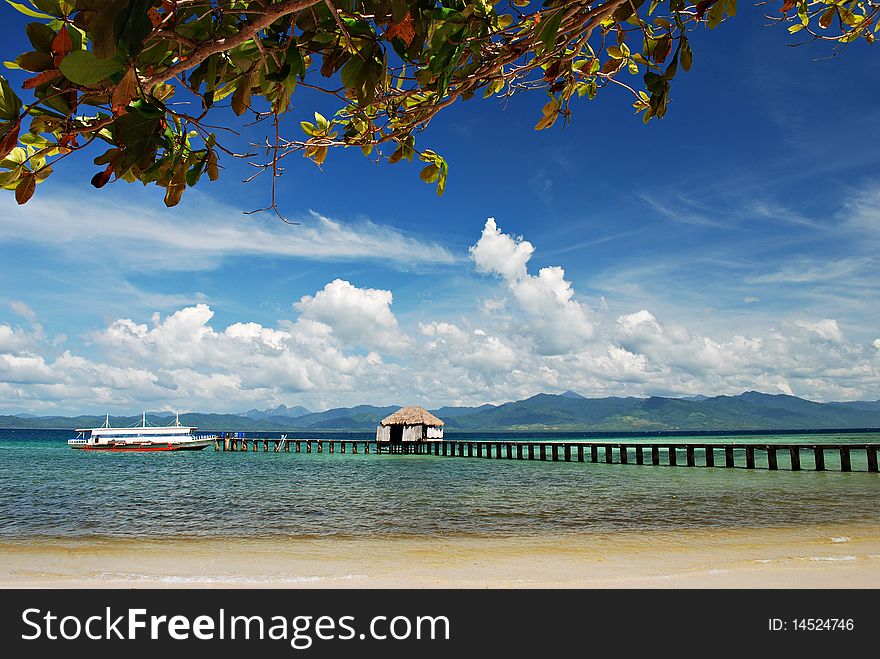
<point x="51" y="491"/>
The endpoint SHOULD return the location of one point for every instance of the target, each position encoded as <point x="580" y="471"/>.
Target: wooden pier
<point x="771" y="457"/>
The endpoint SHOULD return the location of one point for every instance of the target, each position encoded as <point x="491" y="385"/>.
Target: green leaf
<point x="40" y="35"/>
<point x="27" y="11"/>
<point x="687" y="56"/>
<point x="49" y="6"/>
<point x="83" y="68"/>
<point x="241" y="99"/>
<point x="137" y="132"/>
<point x="101" y="27"/>
<point x="716" y="13"/>
<point x="10" y="104"/>
<point x="550" y="30"/>
<point x="430" y="173"/>
<point x="132" y="25"/>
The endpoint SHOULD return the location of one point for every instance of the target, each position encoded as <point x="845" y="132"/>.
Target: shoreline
<point x="824" y="556"/>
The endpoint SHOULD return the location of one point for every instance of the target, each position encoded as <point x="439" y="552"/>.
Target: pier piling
<point x="845" y="464"/>
<point x="795" y="453"/>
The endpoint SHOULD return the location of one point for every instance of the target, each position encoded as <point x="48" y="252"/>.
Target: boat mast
<point x="145" y="419"/>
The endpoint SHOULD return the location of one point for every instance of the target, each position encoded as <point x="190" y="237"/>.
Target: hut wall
<point x="412" y="433"/>
<point x="434" y="432"/>
<point x="383" y="434"/>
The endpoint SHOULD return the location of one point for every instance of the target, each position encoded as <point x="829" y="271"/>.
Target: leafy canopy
<point x="138" y="79"/>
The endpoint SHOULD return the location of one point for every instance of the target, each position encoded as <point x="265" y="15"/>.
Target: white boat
<point x="141" y="438"/>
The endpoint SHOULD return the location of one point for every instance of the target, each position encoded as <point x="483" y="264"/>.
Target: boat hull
<point x="121" y="447"/>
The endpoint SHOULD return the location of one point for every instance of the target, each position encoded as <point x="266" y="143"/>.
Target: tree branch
<point x="248" y="31"/>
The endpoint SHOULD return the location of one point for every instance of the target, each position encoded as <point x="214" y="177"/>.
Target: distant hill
<point x="281" y="411"/>
<point x="751" y="410"/>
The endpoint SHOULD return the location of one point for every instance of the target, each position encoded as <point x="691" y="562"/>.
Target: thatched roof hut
<point x="410" y="424"/>
<point x="412" y="416"/>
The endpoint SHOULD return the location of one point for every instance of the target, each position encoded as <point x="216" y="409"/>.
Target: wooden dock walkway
<point x="730" y="455"/>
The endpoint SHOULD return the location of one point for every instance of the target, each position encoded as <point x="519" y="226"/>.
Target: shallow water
<point x="52" y="491"/>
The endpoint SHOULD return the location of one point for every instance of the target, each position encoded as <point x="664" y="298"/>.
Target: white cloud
<point x="23" y="310"/>
<point x="356" y="316"/>
<point x="557" y="321"/>
<point x="477" y="351"/>
<point x="499" y="253"/>
<point x="826" y="329"/>
<point x="807" y="272"/>
<point x="199" y="234"/>
<point x="344" y="346"/>
<point x="12" y="340"/>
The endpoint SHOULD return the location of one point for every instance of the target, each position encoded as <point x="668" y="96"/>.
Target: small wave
<point x="829" y="558"/>
<point x="843" y="538"/>
<point x="219" y="579"/>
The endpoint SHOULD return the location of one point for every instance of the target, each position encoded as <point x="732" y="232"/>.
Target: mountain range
<point x="569" y="411"/>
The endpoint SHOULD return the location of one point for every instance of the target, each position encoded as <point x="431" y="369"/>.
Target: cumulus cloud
<point x="486" y="355"/>
<point x="12" y="341"/>
<point x="344" y="346"/>
<point x="356" y="316"/>
<point x="500" y="253"/>
<point x="826" y="329"/>
<point x="557" y="321"/>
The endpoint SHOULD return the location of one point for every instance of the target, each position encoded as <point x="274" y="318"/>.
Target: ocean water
<point x="51" y="491"/>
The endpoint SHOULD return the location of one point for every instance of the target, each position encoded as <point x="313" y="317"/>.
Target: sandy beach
<point x="817" y="557"/>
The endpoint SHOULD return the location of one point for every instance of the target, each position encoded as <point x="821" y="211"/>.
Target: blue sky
<point x="730" y="246"/>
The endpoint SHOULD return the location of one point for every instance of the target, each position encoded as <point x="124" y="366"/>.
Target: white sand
<point x="832" y="556"/>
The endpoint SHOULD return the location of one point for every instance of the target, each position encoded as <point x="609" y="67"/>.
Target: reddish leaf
<point x="703" y="6"/>
<point x="62" y="44"/>
<point x="40" y="79"/>
<point x="25" y="189"/>
<point x="403" y="30"/>
<point x="786" y="5"/>
<point x="100" y="179"/>
<point x="126" y="91"/>
<point x="611" y="66"/>
<point x="155" y="17"/>
<point x="67" y="140"/>
<point x="661" y="50"/>
<point x="10" y="140"/>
